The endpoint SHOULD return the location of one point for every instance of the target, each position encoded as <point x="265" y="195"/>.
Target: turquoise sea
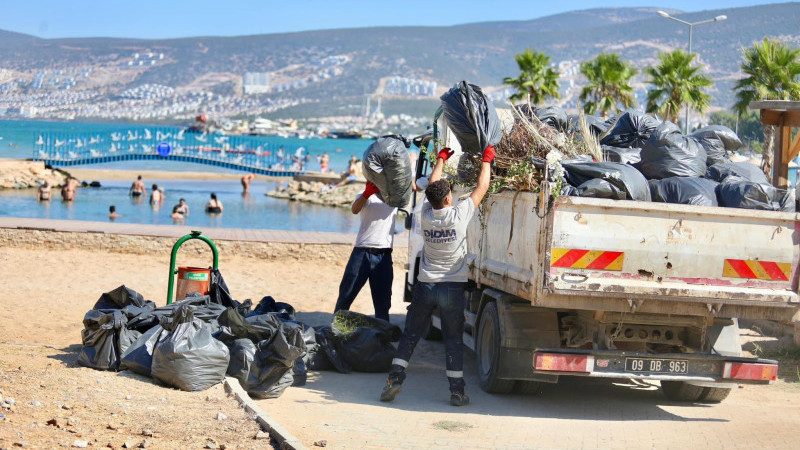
<point x="254" y="211"/>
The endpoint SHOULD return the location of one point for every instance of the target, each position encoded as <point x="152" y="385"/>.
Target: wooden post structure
<point x="783" y="115"/>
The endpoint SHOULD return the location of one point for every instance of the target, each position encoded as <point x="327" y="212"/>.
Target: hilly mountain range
<point x="480" y="52"/>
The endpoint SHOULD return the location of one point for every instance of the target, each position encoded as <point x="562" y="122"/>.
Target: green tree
<point x="536" y="79"/>
<point x="676" y="83"/>
<point x="609" y="84"/>
<point x="772" y="72"/>
<point x="749" y="127"/>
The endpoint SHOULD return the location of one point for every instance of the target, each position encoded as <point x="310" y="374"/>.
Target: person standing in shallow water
<point x="137" y="188"/>
<point x="246" y="183"/>
<point x="44" y="193"/>
<point x="156" y="197"/>
<point x="214" y="206"/>
<point x="68" y="190"/>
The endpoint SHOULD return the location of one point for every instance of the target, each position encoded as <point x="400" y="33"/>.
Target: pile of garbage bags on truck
<point x="193" y="343"/>
<point x="692" y="169"/>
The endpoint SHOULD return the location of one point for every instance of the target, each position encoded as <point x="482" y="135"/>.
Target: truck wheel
<point x="528" y="387"/>
<point x="714" y="395"/>
<point x="488" y="352"/>
<point x="681" y="391"/>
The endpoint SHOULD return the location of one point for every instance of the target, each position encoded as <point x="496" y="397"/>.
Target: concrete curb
<point x="282" y="436"/>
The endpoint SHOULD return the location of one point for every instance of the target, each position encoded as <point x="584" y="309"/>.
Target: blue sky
<point x="178" y="18"/>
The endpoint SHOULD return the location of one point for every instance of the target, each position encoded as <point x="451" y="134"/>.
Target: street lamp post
<point x="691" y="25"/>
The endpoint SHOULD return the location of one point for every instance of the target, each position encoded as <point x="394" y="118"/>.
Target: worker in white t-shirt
<point x="442" y="277"/>
<point x="371" y="258"/>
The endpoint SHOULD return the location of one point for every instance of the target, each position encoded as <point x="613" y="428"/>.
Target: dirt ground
<point x="43" y="300"/>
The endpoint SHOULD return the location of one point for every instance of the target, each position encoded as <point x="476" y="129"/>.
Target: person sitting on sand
<point x="156" y="197"/>
<point x="177" y="216"/>
<point x="112" y="212"/>
<point x="246" y="182"/>
<point x="182" y="207"/>
<point x="352" y="175"/>
<point x="137" y="188"/>
<point x="44" y="192"/>
<point x="214" y="206"/>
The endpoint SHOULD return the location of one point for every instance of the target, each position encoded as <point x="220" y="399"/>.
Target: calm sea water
<point x="18" y="138"/>
<point x="253" y="211"/>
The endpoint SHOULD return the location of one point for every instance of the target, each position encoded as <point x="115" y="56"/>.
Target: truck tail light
<point x="556" y="362"/>
<point x="750" y="371"/>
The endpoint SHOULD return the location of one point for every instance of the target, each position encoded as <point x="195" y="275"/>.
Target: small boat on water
<point x="352" y="134"/>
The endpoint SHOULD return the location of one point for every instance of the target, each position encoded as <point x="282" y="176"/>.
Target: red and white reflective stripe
<point x="750" y="371"/>
<point x="557" y="362"/>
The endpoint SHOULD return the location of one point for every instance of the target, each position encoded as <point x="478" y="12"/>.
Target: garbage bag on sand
<point x="219" y="293"/>
<point x="105" y="338"/>
<point x="717" y="140"/>
<point x="622" y="176"/>
<point x="668" y="153"/>
<point x="365" y="341"/>
<point x="631" y="129"/>
<point x="738" y="193"/>
<point x="744" y="170"/>
<point x="138" y="357"/>
<point x="189" y="358"/>
<point x="204" y="309"/>
<point x="621" y="155"/>
<point x="329" y="353"/>
<point x="388" y="166"/>
<point x="472" y="117"/>
<point x="268" y="304"/>
<point x="684" y="191"/>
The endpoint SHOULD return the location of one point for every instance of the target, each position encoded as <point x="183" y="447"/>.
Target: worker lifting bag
<point x="388" y="166"/>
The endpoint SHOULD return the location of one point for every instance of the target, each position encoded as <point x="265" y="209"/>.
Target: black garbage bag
<point x="138" y="357"/>
<point x="739" y="193"/>
<point x="300" y="369"/>
<point x="684" y="191"/>
<point x="105" y="338"/>
<point x="552" y="116"/>
<point x="622" y="176"/>
<point x="344" y="316"/>
<point x="388" y="166"/>
<point x="621" y="155"/>
<point x="268" y="304"/>
<point x="717" y="140"/>
<point x="265" y="369"/>
<point x="631" y="129"/>
<point x="600" y="188"/>
<point x="189" y="358"/>
<point x="744" y="170"/>
<point x="668" y="153"/>
<point x="597" y="125"/>
<point x="242" y="355"/>
<point x="472" y="117"/>
<point x="329" y="354"/>
<point x="219" y="293"/>
<point x="368" y="350"/>
<point x="204" y="309"/>
<point x="125" y="299"/>
<point x="256" y="328"/>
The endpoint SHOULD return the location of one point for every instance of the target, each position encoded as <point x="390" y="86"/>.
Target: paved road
<point x="344" y="410"/>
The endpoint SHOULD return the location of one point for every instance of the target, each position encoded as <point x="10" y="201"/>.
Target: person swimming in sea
<point x="44" y="192"/>
<point x="112" y="213"/>
<point x="182" y="208"/>
<point x="156" y="197"/>
<point x="214" y="206"/>
<point x="177" y="215"/>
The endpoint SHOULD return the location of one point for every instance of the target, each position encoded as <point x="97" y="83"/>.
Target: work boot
<point x="459" y="399"/>
<point x="392" y="388"/>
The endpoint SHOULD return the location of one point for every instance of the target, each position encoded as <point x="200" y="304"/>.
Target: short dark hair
<point x="112" y="208"/>
<point x="214" y="196"/>
<point x="436" y="192"/>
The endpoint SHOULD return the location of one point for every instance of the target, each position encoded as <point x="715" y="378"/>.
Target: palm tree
<point x="536" y="79"/>
<point x="609" y="84"/>
<point x="676" y="83"/>
<point x="773" y="71"/>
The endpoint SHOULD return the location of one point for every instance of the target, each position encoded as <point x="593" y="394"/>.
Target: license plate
<point x="647" y="365"/>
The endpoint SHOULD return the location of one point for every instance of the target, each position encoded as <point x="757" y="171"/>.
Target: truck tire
<point x="488" y="352"/>
<point x="714" y="395"/>
<point x="681" y="391"/>
<point x="528" y="387"/>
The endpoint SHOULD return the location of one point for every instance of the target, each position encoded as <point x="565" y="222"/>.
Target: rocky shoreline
<point x="319" y="193"/>
<point x="15" y="174"/>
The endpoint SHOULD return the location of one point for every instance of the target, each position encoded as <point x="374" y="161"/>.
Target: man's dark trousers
<point x="370" y="264"/>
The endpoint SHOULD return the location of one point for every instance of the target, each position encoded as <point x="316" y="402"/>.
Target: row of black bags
<point x="193" y="343"/>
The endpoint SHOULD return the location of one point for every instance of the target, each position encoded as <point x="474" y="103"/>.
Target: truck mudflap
<point x="665" y="366"/>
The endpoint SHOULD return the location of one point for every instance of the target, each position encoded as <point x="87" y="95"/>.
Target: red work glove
<point x="369" y="190"/>
<point x="488" y="154"/>
<point x="445" y="153"/>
